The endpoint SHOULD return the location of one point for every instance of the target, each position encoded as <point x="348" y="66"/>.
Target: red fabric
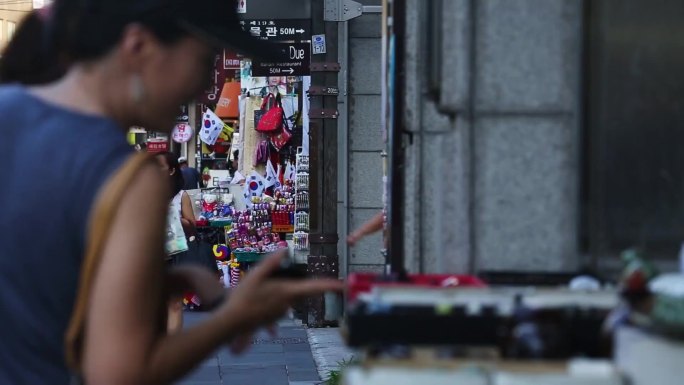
<point x="273" y="118"/>
<point x="221" y="147"/>
<point x="280" y="140"/>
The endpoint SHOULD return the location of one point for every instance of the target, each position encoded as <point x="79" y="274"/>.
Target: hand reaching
<point x="194" y="279"/>
<point x="373" y="225"/>
<point x="260" y="300"/>
<point x="353" y="238"/>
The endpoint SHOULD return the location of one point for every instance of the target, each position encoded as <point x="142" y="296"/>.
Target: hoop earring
<point x="137" y="88"/>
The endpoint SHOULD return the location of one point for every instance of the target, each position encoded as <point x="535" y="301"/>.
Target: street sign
<point x="217" y="78"/>
<point x="318" y="43"/>
<point x="294" y="59"/>
<point x="279" y="30"/>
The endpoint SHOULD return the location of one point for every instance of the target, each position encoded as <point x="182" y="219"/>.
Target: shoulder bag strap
<point x="101" y="219"/>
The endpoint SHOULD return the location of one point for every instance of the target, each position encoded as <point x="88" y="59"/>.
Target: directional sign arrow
<point x="300" y="31"/>
<point x="290" y="71"/>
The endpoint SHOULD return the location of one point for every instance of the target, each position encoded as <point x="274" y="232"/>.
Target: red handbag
<point x="282" y="138"/>
<point x="273" y="119"/>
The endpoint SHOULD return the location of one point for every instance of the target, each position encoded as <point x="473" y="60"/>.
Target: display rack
<point x="301" y="235"/>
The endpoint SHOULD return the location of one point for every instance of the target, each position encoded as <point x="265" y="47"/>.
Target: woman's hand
<point x="260" y="300"/>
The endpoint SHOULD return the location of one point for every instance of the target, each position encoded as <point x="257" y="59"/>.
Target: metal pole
<point x="395" y="214"/>
<point x="343" y="146"/>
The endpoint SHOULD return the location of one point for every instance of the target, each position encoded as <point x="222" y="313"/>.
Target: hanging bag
<point x="261" y="153"/>
<point x="272" y="119"/>
<point x="263" y="109"/>
<point x="282" y="138"/>
<point x="105" y="210"/>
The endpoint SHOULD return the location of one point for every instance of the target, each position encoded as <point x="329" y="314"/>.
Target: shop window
<point x="633" y="171"/>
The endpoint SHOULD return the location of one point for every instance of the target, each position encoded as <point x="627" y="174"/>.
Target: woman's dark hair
<point x="43" y="47"/>
<point x="177" y="181"/>
<point x="84" y="30"/>
<point x="23" y="59"/>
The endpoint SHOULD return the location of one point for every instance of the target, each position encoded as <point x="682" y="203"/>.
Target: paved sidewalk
<point x="328" y="349"/>
<point x="283" y="360"/>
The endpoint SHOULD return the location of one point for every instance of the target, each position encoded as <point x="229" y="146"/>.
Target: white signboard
<point x="182" y="133"/>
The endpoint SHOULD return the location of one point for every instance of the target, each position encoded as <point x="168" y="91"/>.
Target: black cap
<point x="218" y="22"/>
<point x="215" y="21"/>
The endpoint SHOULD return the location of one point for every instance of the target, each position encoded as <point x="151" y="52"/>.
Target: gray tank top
<point x="55" y="162"/>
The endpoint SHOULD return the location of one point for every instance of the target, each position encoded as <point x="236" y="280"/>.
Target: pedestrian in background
<point x="180" y="230"/>
<point x="233" y="165"/>
<point x="101" y="67"/>
<point x="191" y="177"/>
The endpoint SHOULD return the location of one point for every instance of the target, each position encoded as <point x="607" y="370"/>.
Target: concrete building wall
<point x="492" y="174"/>
<point x="365" y="142"/>
<point x="11" y="15"/>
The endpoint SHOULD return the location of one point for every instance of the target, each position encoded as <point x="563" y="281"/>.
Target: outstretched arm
<point x="124" y="338"/>
<point x="375" y="224"/>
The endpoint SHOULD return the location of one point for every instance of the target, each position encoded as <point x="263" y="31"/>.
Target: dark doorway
<point x="633" y="174"/>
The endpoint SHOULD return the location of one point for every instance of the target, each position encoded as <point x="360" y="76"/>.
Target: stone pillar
<point x="494" y="160"/>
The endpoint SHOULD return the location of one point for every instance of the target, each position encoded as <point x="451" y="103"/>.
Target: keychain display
<point x="302" y="160"/>
<point x="302" y="221"/>
<point x="302" y="181"/>
<point x="252" y="231"/>
<point x="303" y="200"/>
<point x="301" y="241"/>
<point x="302" y="204"/>
<point x="284" y="209"/>
<point x="256" y="232"/>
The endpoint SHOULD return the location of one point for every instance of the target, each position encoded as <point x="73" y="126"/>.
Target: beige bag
<point x="105" y="209"/>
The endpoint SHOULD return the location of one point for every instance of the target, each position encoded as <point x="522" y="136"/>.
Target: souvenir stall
<point x="263" y="227"/>
<point x="214" y="134"/>
<point x="252" y="151"/>
<point x="272" y="143"/>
